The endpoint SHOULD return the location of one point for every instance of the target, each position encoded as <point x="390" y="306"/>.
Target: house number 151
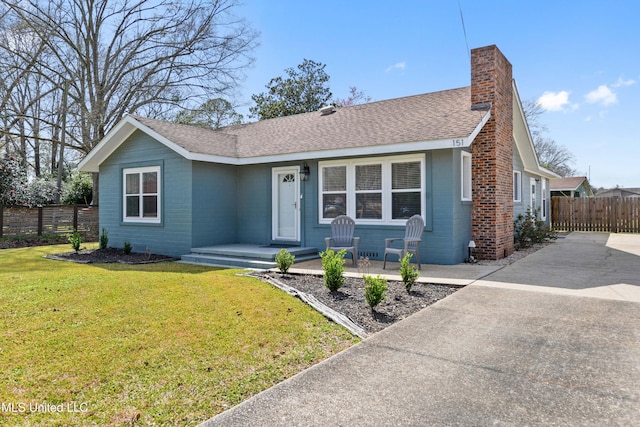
<point x="457" y="142"/>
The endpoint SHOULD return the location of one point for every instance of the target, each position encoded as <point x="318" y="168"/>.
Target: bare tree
<point x="355" y="97"/>
<point x="212" y="114"/>
<point x="134" y="56"/>
<point x="21" y="90"/>
<point x="551" y="155"/>
<point x="554" y="157"/>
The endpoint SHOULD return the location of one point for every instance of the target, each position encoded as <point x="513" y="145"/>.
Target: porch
<point x="243" y="255"/>
<point x="308" y="261"/>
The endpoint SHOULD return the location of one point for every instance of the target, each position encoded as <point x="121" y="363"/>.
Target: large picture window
<point x="376" y="190"/>
<point x="141" y="194"/>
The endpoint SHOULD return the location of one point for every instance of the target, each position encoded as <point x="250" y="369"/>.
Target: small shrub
<point x="529" y="230"/>
<point x="284" y="260"/>
<point x="375" y="289"/>
<point x="126" y="248"/>
<point x="408" y="272"/>
<point x="333" y="267"/>
<point x="75" y="239"/>
<point x="104" y="239"/>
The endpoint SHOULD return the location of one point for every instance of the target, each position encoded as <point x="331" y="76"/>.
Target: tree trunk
<point x="96" y="187"/>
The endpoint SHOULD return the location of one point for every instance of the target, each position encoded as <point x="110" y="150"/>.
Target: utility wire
<point x="464" y="30"/>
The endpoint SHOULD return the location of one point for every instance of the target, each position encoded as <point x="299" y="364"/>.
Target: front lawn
<point x="156" y="344"/>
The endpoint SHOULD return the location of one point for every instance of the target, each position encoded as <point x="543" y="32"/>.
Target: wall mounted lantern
<point x="304" y="172"/>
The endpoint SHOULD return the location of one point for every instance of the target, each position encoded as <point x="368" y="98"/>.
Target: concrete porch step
<point x="246" y="256"/>
<point x="226" y="261"/>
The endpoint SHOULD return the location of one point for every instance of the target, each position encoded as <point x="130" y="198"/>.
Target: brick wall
<point x="492" y="150"/>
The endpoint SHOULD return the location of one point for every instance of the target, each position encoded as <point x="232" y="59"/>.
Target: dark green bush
<point x="75" y="239"/>
<point x="529" y="230"/>
<point x="284" y="260"/>
<point x="77" y="189"/>
<point x="408" y="272"/>
<point x="333" y="267"/>
<point x="104" y="239"/>
<point x="375" y="289"/>
<point x="126" y="248"/>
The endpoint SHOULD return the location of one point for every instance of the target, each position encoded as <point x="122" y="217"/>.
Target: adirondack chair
<point x="410" y="242"/>
<point x="342" y="229"/>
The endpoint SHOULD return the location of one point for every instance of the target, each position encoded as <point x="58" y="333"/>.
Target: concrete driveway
<point x="582" y="264"/>
<point x="531" y="344"/>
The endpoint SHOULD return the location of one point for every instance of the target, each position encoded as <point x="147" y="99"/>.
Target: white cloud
<point x="554" y="101"/>
<point x="397" y="66"/>
<point x="621" y="82"/>
<point x="603" y="95"/>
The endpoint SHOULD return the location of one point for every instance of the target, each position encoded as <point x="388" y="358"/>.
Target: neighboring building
<point x="574" y="186"/>
<point x="462" y="158"/>
<point x="619" y="192"/>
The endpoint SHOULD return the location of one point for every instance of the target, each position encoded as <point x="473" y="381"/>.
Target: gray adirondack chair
<point x="342" y="229"/>
<point x="410" y="242"/>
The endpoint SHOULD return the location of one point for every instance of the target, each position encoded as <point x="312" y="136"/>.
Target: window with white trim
<point x="466" y="192"/>
<point x="374" y="190"/>
<point x="517" y="186"/>
<point x="141" y="194"/>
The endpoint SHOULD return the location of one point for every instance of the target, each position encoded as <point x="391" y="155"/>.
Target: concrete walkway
<point x="460" y="274"/>
<point x="512" y="349"/>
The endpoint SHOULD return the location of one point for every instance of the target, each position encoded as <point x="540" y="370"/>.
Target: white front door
<point x="286" y="203"/>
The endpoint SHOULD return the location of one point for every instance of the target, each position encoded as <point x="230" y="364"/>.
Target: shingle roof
<point x="569" y="183"/>
<point x="194" y="139"/>
<point x="427" y="117"/>
<point x="619" y="192"/>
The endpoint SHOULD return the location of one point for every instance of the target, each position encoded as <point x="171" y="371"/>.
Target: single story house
<point x="462" y="158"/>
<point x="571" y="187"/>
<point x="619" y="192"/>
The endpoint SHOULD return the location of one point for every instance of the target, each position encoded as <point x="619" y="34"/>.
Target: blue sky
<point x="580" y="59"/>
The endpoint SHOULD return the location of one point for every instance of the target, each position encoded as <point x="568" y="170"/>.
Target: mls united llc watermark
<point x="43" y="407"/>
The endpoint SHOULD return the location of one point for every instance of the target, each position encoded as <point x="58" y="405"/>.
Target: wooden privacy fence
<point x="51" y="219"/>
<point x="604" y="214"/>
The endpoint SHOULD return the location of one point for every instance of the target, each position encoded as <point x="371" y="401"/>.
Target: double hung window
<point x="374" y="190"/>
<point x="141" y="194"/>
<point x="517" y="186"/>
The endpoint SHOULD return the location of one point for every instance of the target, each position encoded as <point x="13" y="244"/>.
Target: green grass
<point x="174" y="343"/>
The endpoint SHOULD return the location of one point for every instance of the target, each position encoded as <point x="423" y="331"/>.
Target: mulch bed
<point x="349" y="299"/>
<point x="110" y="255"/>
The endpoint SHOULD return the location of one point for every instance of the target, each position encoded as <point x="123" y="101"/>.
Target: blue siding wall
<point x="447" y="232"/>
<point x="215" y="197"/>
<point x="461" y="215"/>
<point x="452" y="216"/>
<point x="173" y="235"/>
<point x="254" y="204"/>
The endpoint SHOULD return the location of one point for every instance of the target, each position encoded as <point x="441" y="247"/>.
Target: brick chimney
<point x="492" y="151"/>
